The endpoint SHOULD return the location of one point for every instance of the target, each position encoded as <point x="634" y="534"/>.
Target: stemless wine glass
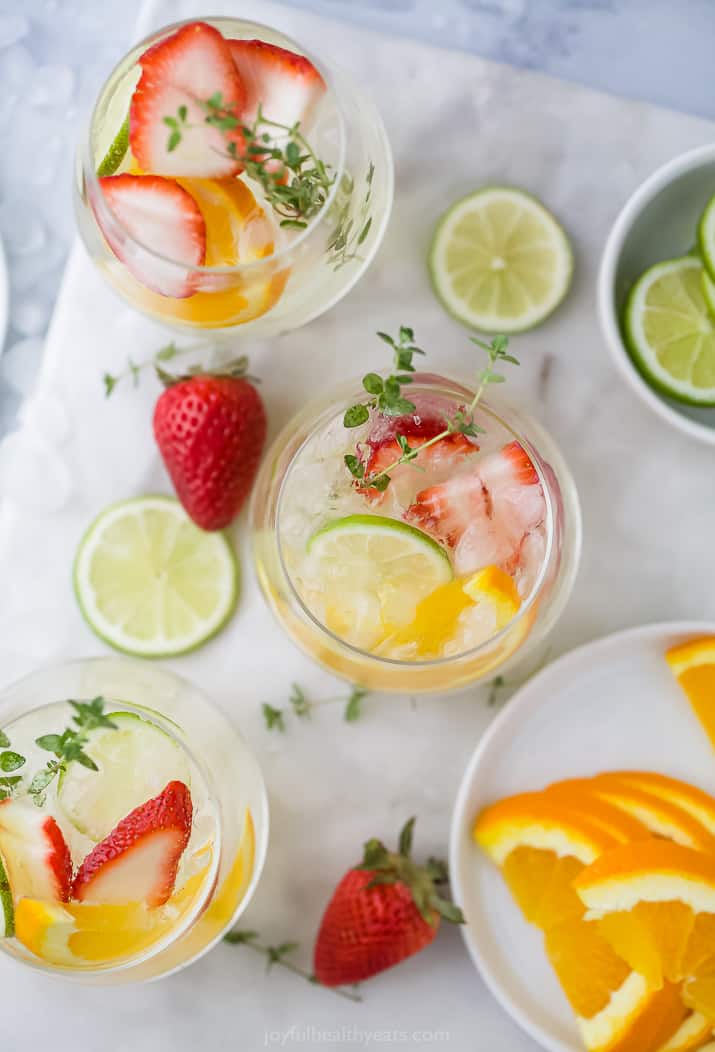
<point x="281" y="277"/>
<point x="161" y="721"/>
<point x="304" y="491"/>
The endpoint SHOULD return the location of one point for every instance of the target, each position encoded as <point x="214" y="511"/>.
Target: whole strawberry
<point x="381" y="912"/>
<point x="210" y="429"/>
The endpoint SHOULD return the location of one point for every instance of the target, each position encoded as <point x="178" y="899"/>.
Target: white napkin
<point x="455" y="122"/>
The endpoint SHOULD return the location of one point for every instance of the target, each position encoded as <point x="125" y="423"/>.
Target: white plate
<point x="611" y="704"/>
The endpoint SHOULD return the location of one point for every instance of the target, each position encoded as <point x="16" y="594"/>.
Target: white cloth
<point x="455" y="122"/>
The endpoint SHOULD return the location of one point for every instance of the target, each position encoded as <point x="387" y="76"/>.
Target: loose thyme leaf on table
<point x="389" y="400"/>
<point x="278" y="955"/>
<point x="302" y="706"/>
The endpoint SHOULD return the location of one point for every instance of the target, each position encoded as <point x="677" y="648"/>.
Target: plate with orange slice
<point x="583" y="846"/>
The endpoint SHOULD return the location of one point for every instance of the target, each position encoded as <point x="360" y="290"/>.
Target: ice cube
<point x="20" y="363"/>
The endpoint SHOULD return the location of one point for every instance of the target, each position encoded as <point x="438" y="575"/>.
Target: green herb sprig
<point x="279" y="955"/>
<point x="9" y="761"/>
<point x="68" y="747"/>
<point x="295" y="181"/>
<point x="390" y="401"/>
<point x="302" y="707"/>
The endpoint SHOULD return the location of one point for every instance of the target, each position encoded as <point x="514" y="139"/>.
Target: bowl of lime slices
<point x="656" y="292"/>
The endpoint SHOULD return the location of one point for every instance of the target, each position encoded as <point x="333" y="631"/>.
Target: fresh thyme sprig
<point x="68" y="747"/>
<point x="389" y="401"/>
<point x="302" y="707"/>
<point x="277" y="955"/>
<point x="9" y="761"/>
<point x="168" y="353"/>
<point x="295" y="181"/>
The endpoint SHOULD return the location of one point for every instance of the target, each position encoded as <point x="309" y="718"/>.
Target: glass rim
<point x="97" y="198"/>
<point x="458" y="385"/>
<point x="168" y="726"/>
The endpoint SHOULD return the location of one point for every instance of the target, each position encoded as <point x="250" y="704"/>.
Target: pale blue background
<point x="54" y="54"/>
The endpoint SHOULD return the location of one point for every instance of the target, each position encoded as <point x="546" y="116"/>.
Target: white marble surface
<point x="649" y="523"/>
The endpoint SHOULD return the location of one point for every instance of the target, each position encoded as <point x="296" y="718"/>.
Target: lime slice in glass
<point x="670" y="332"/>
<point x="7" y="909"/>
<point x="499" y="261"/>
<point x="151" y="583"/>
<point x="370" y="573"/>
<point x="135" y="761"/>
<point x="116" y="153"/>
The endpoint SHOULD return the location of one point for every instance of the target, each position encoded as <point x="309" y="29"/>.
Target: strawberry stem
<point x="278" y="955"/>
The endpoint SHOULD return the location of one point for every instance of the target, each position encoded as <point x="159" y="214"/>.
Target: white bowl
<point x="658" y="222"/>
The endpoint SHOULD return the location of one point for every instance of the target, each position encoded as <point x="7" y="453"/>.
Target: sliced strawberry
<point x="139" y="859"/>
<point x="191" y="66"/>
<point x="36" y="857"/>
<point x="287" y="86"/>
<point x="164" y="219"/>
<point x="487" y="514"/>
<point x="381" y="448"/>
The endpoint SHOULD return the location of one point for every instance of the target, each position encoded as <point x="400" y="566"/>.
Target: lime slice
<point x="116" y="152"/>
<point x="370" y="573"/>
<point x="499" y="261"/>
<point x="150" y="582"/>
<point x="136" y="762"/>
<point x="670" y="333"/>
<point x="7" y="909"/>
<point x="708" y="291"/>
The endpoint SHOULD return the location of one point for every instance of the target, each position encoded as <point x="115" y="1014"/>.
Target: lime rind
<point x="708" y="286"/>
<point x="379" y="524"/>
<point x="136" y="760"/>
<point x="692" y="322"/>
<point x="113" y="635"/>
<point x="555" y="237"/>
<point x="7" y="908"/>
<point x="706" y="237"/>
<point x="113" y="158"/>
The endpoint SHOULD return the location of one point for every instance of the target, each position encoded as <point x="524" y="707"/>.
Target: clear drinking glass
<point x="222" y="863"/>
<point x="304" y="486"/>
<point x="289" y="276"/>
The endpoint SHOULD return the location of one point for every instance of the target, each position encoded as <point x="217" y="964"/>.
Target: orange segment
<point x="692" y="1034"/>
<point x="699" y="994"/>
<point x="587" y="968"/>
<point x="699" y="955"/>
<point x="237" y="228"/>
<point x="652" y="938"/>
<point x="693" y="665"/>
<point x="494" y="585"/>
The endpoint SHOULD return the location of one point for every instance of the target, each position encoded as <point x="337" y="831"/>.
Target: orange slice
<point x="495" y="585"/>
<point x="662" y="817"/>
<point x="692" y="1034"/>
<point x="699" y="804"/>
<point x="693" y="665"/>
<point x="654" y="902"/>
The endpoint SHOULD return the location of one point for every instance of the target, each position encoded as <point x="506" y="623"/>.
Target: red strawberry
<point x="36" y="857"/>
<point x="485" y="515"/>
<point x="287" y="86"/>
<point x="162" y="217"/>
<point x="381" y="912"/>
<point x="187" y="68"/>
<point x="382" y="448"/>
<point x="138" y="861"/>
<point x="210" y="431"/>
